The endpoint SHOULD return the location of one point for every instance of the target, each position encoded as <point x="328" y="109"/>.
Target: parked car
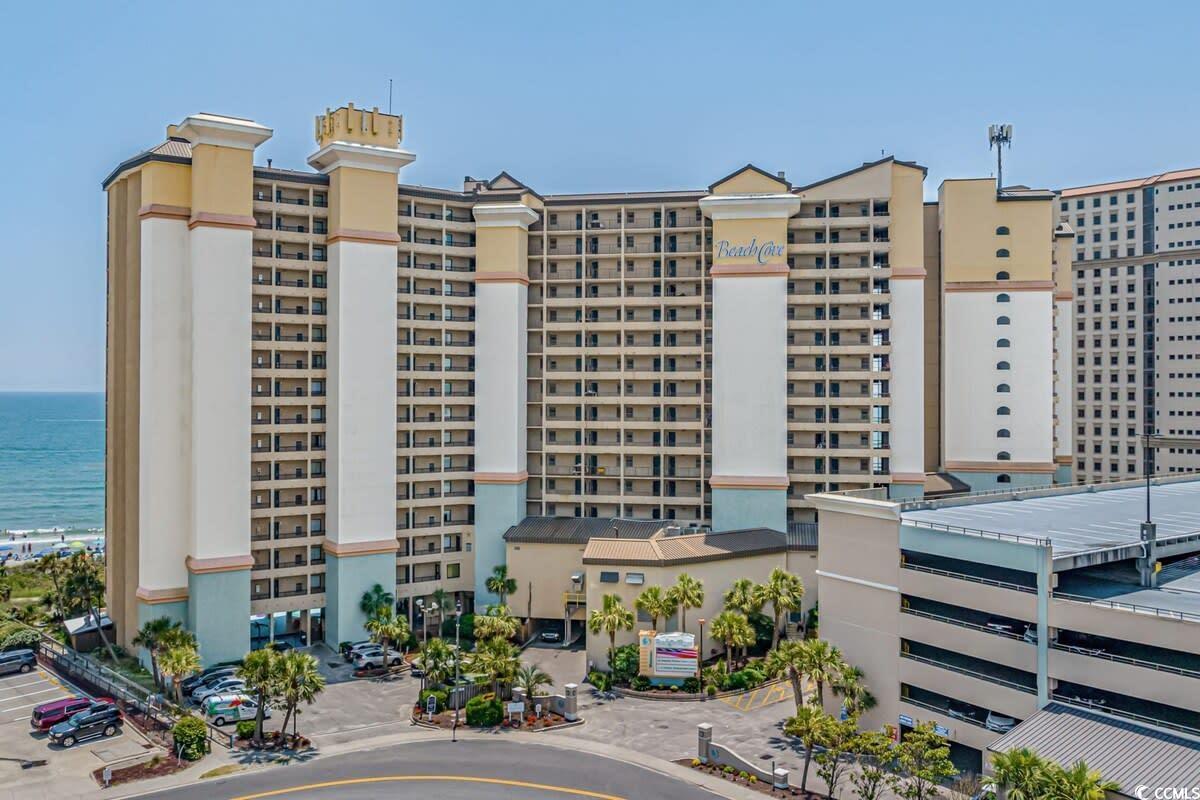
<point x="280" y="646"/>
<point x="374" y="658"/>
<point x="234" y="707"/>
<point x="1001" y="625"/>
<point x="960" y="710"/>
<point x="1031" y="634"/>
<point x="47" y="715"/>
<point x="999" y="723"/>
<point x="550" y="635"/>
<point x="352" y="650"/>
<point x="223" y="686"/>
<point x="22" y="660"/>
<point x="99" y="719"/>
<point x="189" y="685"/>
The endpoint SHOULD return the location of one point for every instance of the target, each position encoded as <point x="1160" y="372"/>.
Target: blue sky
<point x="567" y="96"/>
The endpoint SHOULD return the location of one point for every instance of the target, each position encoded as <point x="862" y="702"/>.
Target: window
<point x="1004" y="455"/>
<point x="1003" y="343"/>
<point x="1003" y="479"/>
<point x="453" y="570"/>
<point x="1001" y="275"/>
<point x="1003" y="365"/>
<point x="1003" y="321"/>
<point x="635" y="578"/>
<point x="1003" y="388"/>
<point x="1001" y="253"/>
<point x="1004" y="433"/>
<point x="610" y="577"/>
<point x="1003" y="298"/>
<point x="1002" y="230"/>
<point x="1003" y="411"/>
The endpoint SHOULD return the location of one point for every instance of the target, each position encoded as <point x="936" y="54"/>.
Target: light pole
<point x="424" y="619"/>
<point x="457" y="659"/>
<point x="700" y="660"/>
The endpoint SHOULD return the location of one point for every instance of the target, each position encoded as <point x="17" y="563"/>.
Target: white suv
<point x="374" y="659"/>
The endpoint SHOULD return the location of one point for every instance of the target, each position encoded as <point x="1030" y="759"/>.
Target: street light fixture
<point x="700" y="660"/>
<point x="457" y="660"/>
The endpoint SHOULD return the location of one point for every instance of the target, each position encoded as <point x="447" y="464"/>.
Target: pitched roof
<point x="685" y="548"/>
<point x="864" y="166"/>
<point x="578" y="530"/>
<point x="752" y="168"/>
<point x="1121" y="750"/>
<point x="174" y="150"/>
<point x="1135" y="183"/>
<point x="802" y="536"/>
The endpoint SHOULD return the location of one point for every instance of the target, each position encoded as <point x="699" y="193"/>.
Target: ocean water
<point x="51" y="461"/>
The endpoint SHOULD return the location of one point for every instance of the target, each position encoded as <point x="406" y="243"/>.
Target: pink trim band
<point x="908" y="477"/>
<point x="749" y="270"/>
<point x="999" y="466"/>
<point x="999" y="286"/>
<point x="207" y="219"/>
<point x="749" y="482"/>
<point x="501" y="477"/>
<point x="359" y="548"/>
<point x="366" y="237"/>
<point x="160" y="211"/>
<point x="501" y="277"/>
<point x="155" y="596"/>
<point x="907" y="273"/>
<point x="200" y="566"/>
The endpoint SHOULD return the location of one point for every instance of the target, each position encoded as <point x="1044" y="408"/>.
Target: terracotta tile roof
<point x="1136" y="183"/>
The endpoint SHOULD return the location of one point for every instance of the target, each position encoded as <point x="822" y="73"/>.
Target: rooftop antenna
<point x="1148" y="565"/>
<point x="389" y="97"/>
<point x="998" y="136"/>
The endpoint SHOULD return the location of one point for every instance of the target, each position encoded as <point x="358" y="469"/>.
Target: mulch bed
<point x="272" y="740"/>
<point x="762" y="787"/>
<point x="445" y="719"/>
<point x="154" y="768"/>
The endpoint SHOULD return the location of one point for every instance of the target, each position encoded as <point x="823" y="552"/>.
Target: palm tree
<point x="656" y="604"/>
<point x="437" y="661"/>
<point x="1078" y="782"/>
<point x="850" y="685"/>
<point x="1019" y="774"/>
<point x="300" y="681"/>
<point x="440" y="603"/>
<point x="686" y="593"/>
<point x="385" y="627"/>
<point x="530" y="679"/>
<point x="784" y="592"/>
<point x="375" y="599"/>
<point x="498" y="583"/>
<point x="732" y="628"/>
<point x="52" y="567"/>
<point x="84" y="580"/>
<point x="497" y="660"/>
<point x="610" y="618"/>
<point x="260" y="670"/>
<point x="810" y="726"/>
<point x="822" y="663"/>
<point x="497" y="623"/>
<point x="148" y="638"/>
<point x="787" y="660"/>
<point x="743" y="596"/>
<point x="177" y="663"/>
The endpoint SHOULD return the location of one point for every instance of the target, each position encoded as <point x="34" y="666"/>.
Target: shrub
<point x="640" y="683"/>
<point x="466" y="629"/>
<point x="753" y="779"/>
<point x="191" y="737"/>
<point x="695" y="762"/>
<point x="711" y="690"/>
<point x="743" y="679"/>
<point x="691" y="685"/>
<point x="744" y="775"/>
<point x="625" y="663"/>
<point x="728" y="770"/>
<point x="441" y="695"/>
<point x="674" y="688"/>
<point x="245" y="729"/>
<point x="601" y="680"/>
<point x="484" y="713"/>
<point x="20" y="638"/>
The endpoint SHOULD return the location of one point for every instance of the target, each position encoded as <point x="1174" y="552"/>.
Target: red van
<point x="47" y="715"/>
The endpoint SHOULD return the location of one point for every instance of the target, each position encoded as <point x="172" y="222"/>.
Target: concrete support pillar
<point x="571" y="707"/>
<point x="501" y="346"/>
<point x="219" y="288"/>
<point x="703" y="739"/>
<point x="781" y="778"/>
<point x="1064" y="362"/>
<point x="749" y="426"/>
<point x="359" y="151"/>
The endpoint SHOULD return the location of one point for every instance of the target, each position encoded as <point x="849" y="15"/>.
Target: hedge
<point x="483" y="712"/>
<point x="245" y="729"/>
<point x="191" y="737"/>
<point x="22" y="638"/>
<point x="441" y="694"/>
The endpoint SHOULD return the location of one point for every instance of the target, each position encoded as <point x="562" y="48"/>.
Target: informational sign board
<point x="667" y="655"/>
<point x="431" y="705"/>
<point x="516" y="708"/>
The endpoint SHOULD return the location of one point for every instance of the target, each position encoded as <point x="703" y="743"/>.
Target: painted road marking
<point x="444" y="778"/>
<point x="760" y="697"/>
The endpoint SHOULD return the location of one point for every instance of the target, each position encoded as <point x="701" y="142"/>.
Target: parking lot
<point x="20" y="692"/>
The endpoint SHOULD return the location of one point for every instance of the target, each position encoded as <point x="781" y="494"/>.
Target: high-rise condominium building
<point x="1137" y="322"/>
<point x="319" y="381"/>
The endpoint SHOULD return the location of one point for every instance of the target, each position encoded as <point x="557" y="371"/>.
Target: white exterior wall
<point x="749" y="426"/>
<point x="1064" y="377"/>
<point x="221" y="350"/>
<point x="164" y="455"/>
<point x="500" y="370"/>
<point x="970" y="401"/>
<point x="908" y="376"/>
<point x="361" y="404"/>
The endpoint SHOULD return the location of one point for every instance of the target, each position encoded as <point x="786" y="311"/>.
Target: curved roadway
<point x="466" y="770"/>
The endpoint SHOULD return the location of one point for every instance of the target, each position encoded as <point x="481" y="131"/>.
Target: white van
<point x="222" y="708"/>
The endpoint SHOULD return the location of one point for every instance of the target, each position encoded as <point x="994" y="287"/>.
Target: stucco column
<point x="1064" y="361"/>
<point x="359" y="151"/>
<point x="749" y="417"/>
<point x="165" y="385"/>
<point x="501" y="317"/>
<point x="219" y="253"/>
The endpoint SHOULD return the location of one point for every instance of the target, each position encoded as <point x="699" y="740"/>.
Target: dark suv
<point x="17" y="661"/>
<point x="99" y="719"/>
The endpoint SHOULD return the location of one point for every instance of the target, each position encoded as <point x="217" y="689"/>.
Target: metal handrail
<point x="943" y="711"/>
<point x="964" y="624"/>
<point x="1040" y="541"/>
<point x="1131" y="607"/>
<point x="1137" y="662"/>
<point x="970" y="673"/>
<point x="972" y="578"/>
<point x="1105" y="709"/>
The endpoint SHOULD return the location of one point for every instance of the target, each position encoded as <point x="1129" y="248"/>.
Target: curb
<point x="679" y="697"/>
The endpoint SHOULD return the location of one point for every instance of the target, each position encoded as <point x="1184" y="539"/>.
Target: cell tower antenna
<point x="999" y="136"/>
<point x="389" y="96"/>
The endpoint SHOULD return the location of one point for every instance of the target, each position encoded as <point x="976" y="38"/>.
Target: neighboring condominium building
<point x="320" y="381"/>
<point x="1137" y="307"/>
<point x="976" y="613"/>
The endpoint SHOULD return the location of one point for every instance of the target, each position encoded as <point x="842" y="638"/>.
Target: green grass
<point x="221" y="772"/>
<point x="127" y="666"/>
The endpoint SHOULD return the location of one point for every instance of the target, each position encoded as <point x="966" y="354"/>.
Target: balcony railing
<point x="1020" y="687"/>
<point x="972" y="578"/>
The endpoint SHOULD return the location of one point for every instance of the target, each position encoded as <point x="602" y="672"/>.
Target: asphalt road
<point x="468" y="770"/>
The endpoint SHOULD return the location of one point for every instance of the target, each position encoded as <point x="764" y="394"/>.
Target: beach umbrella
<point x="77" y="545"/>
